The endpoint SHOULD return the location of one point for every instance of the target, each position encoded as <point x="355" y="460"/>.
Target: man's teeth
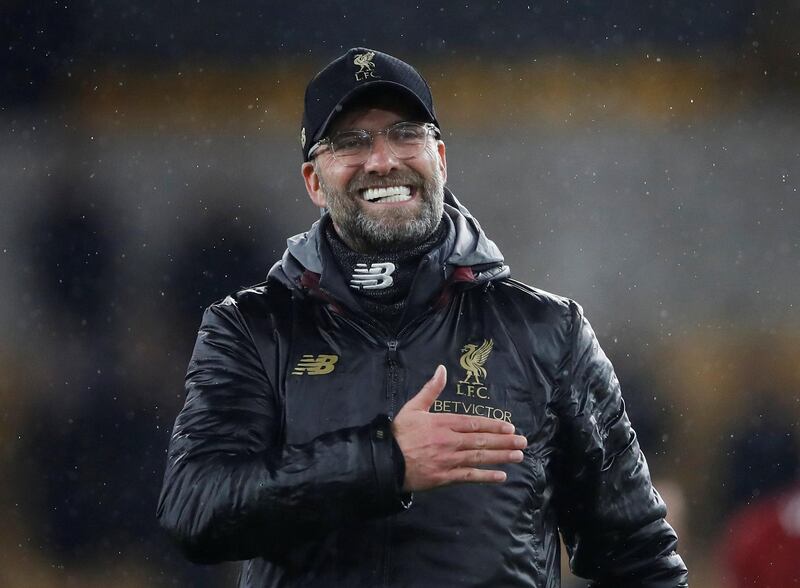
<point x="392" y="194"/>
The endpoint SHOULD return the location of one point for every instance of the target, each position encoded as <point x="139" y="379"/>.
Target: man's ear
<point x="440" y="148"/>
<point x="313" y="185"/>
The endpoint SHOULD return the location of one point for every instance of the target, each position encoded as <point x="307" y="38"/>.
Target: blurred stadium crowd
<point x="644" y="162"/>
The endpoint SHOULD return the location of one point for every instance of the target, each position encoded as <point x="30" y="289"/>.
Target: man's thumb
<point x="430" y="391"/>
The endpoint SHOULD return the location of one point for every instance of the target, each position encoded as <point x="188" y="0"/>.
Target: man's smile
<point x="389" y="194"/>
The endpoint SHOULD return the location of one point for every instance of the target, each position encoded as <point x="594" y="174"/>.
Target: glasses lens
<point x="407" y="139"/>
<point x="351" y="146"/>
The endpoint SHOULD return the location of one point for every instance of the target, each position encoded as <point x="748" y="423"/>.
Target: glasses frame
<point x="430" y="128"/>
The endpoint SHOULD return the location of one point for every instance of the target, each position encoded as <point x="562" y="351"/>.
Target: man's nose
<point x="381" y="160"/>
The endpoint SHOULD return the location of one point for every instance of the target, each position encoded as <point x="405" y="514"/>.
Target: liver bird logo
<point x="364" y="62"/>
<point x="473" y="359"/>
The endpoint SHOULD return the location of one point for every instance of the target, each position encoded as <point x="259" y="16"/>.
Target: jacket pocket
<point x="538" y="496"/>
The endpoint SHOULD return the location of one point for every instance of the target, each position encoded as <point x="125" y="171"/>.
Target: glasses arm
<point x="433" y="129"/>
<point x="316" y="146"/>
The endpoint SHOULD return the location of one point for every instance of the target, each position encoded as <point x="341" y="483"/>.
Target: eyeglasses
<point x="352" y="148"/>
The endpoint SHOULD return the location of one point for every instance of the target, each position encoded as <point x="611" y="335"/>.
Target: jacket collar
<point x="466" y="246"/>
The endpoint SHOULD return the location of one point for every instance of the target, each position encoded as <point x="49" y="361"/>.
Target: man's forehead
<point x="365" y="116"/>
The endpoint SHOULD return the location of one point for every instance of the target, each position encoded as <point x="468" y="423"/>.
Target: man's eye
<point x="407" y="134"/>
<point x="350" y="143"/>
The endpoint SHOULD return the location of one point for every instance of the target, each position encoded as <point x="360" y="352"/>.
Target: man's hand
<point x="443" y="448"/>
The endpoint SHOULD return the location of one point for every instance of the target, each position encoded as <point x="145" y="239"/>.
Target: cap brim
<point x="356" y="92"/>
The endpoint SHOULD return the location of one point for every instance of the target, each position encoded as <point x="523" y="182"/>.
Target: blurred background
<point x="642" y="159"/>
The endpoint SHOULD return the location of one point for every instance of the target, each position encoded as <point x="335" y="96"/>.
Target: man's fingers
<point x="468" y="441"/>
<point x="430" y="391"/>
<point x="480" y="457"/>
<point x="476" y="424"/>
<point x="477" y="476"/>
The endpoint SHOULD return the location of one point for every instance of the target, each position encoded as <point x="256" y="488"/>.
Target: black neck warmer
<point x="383" y="301"/>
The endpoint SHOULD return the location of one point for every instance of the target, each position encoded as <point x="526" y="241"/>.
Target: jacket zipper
<point x="391" y="378"/>
<point x="391" y="395"/>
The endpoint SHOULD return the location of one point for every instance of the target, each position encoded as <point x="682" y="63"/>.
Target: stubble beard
<point x="393" y="228"/>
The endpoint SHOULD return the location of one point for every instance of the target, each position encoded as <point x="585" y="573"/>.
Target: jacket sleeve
<point x="232" y="490"/>
<point x="611" y="517"/>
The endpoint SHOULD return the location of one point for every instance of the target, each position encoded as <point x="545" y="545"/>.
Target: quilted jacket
<point x="283" y="454"/>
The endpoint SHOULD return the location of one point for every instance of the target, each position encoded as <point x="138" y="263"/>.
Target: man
<point x="389" y="408"/>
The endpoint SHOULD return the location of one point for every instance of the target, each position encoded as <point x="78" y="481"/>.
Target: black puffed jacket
<point x="283" y="454"/>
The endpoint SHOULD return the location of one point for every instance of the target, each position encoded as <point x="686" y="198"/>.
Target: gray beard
<point x="394" y="229"/>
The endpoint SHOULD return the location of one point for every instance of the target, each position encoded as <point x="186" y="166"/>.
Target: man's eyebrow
<point x="348" y="129"/>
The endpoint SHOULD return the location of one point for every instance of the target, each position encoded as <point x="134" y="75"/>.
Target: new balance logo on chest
<point x="373" y="276"/>
<point x="315" y="365"/>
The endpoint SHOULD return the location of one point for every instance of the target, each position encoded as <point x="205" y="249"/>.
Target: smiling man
<point x="389" y="408"/>
<point x="386" y="198"/>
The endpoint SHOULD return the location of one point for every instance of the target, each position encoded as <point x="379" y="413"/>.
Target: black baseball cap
<point x="356" y="72"/>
